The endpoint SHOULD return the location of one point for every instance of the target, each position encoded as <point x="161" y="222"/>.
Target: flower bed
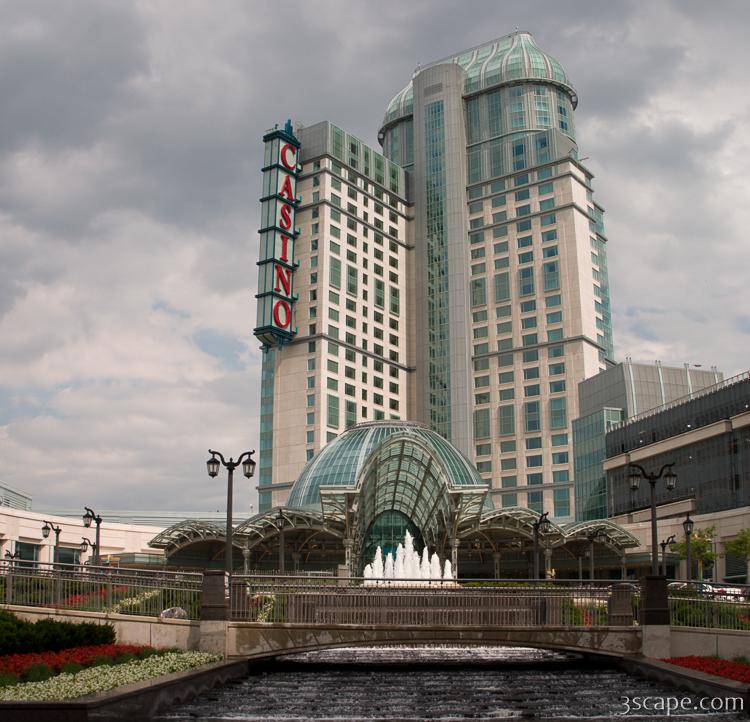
<point x="18" y="665"/>
<point x="100" y="679"/>
<point x="737" y="671"/>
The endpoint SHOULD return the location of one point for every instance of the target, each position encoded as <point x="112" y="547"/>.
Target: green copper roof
<point x="340" y="462"/>
<point x="511" y="59"/>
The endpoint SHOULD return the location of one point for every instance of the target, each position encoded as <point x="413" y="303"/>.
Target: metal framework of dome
<point x="513" y="58"/>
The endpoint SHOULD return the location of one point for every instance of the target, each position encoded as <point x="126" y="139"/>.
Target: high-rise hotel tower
<point x="458" y="279"/>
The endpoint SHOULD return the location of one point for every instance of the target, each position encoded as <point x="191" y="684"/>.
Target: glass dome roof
<point x="340" y="462"/>
<point x="511" y="59"/>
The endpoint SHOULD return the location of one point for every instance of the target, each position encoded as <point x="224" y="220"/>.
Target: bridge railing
<point x="336" y="600"/>
<point x="99" y="588"/>
<point x="709" y="605"/>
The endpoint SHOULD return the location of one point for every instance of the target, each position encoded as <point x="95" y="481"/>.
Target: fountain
<point x="407" y="568"/>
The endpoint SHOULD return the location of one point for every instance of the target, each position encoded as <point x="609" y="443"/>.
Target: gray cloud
<point x="129" y="177"/>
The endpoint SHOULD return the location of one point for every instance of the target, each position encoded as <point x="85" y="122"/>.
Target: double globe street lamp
<point x="85" y="543"/>
<point x="687" y="525"/>
<point x="248" y="469"/>
<point x="635" y="473"/>
<point x="46" y="529"/>
<point x="541" y="526"/>
<point x="88" y="517"/>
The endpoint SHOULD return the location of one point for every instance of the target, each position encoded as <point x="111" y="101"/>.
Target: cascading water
<point x="408" y="566"/>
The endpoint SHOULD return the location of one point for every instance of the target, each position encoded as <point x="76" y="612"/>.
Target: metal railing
<point x="99" y="589"/>
<point x="353" y="600"/>
<point x="710" y="605"/>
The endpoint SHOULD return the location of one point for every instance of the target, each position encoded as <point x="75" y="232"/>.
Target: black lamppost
<point x="248" y="469"/>
<point x="598" y="535"/>
<point x="88" y="517"/>
<point x="85" y="543"/>
<point x="687" y="525"/>
<point x="664" y="544"/>
<point x="635" y="472"/>
<point x="541" y="526"/>
<point x="280" y="524"/>
<point x="46" y="529"/>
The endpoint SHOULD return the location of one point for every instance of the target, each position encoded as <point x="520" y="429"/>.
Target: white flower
<point x="99" y="679"/>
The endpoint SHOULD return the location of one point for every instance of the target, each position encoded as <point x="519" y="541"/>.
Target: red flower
<point x="17" y="664"/>
<point x="718" y="667"/>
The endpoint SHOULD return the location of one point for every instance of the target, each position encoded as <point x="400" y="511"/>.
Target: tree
<point x="740" y="547"/>
<point x="701" y="548"/>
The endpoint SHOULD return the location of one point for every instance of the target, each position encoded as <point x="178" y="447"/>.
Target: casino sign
<point x="278" y="234"/>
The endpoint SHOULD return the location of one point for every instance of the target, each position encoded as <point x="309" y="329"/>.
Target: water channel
<point x="434" y="683"/>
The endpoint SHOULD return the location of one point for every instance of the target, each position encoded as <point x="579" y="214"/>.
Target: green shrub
<point x="38" y="673"/>
<point x="71" y="668"/>
<point x="8" y="679"/>
<point x="47" y="635"/>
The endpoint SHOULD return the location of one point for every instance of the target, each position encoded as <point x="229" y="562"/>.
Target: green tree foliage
<point x="701" y="548"/>
<point x="739" y="546"/>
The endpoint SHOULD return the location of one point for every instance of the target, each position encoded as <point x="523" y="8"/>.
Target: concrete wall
<point x="723" y="643"/>
<point x="130" y="629"/>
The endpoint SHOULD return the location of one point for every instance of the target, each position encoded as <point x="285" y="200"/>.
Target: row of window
<point x="557" y="418"/>
<point x="534" y="501"/>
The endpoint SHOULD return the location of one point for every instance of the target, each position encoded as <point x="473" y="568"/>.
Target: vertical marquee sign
<point x="277" y="237"/>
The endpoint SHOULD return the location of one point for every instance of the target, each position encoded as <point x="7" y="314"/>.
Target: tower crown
<point x="514" y="58"/>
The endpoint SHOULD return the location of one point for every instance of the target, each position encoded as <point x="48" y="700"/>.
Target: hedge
<point x="47" y="635"/>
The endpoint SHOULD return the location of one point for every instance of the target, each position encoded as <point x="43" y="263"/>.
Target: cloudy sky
<point x="130" y="149"/>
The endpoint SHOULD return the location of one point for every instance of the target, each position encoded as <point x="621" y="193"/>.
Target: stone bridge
<point x="265" y="640"/>
<point x="273" y="617"/>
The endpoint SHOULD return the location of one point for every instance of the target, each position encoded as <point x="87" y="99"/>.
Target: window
<point x="481" y="424"/>
<point x="555" y="334"/>
<point x="507" y="446"/>
<point x="529" y="322"/>
<point x="522" y="195"/>
<point x="545" y="188"/>
<point x="532" y="420"/>
<point x="523" y="210"/>
<point x="506" y="377"/>
<point x="554" y="317"/>
<point x="508" y="482"/>
<point x="552" y="301"/>
<point x="549" y="236"/>
<point x="547" y="220"/>
<point x="556" y="351"/>
<point x="556" y="369"/>
<point x="534" y="461"/>
<point x="484" y="449"/>
<point x="502" y="263"/>
<point x="547" y="204"/>
<point x="526" y="281"/>
<point x="530" y="391"/>
<point x="529" y="356"/>
<point x="558" y="416"/>
<point x="560" y="457"/>
<point x="523" y="226"/>
<point x="529" y="339"/>
<point x="551" y="276"/>
<point x="528" y="306"/>
<point x="561" y="476"/>
<point x="507" y="394"/>
<point x="502" y="287"/>
<point x="478" y="292"/>
<point x="483" y="398"/>
<point x="562" y="502"/>
<point x="535" y="501"/>
<point x="507" y="464"/>
<point x="555" y="387"/>
<point x="559" y="439"/>
<point x="507" y="420"/>
<point x="510" y="500"/>
<point x="526" y="257"/>
<point x="549" y="252"/>
<point x="333" y="410"/>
